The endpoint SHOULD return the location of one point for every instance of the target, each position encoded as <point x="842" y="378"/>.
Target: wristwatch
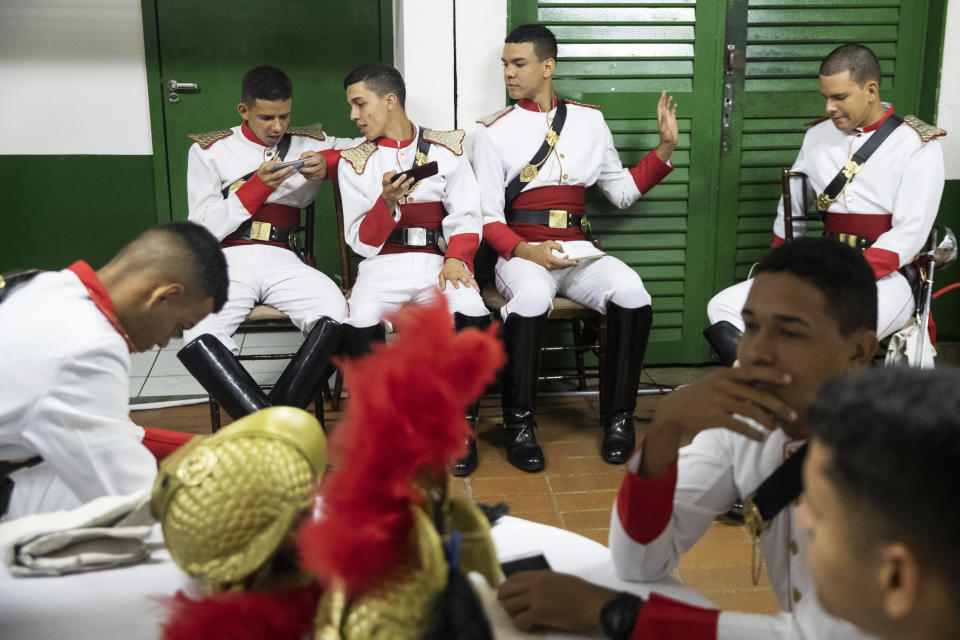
<point x="619" y="615"/>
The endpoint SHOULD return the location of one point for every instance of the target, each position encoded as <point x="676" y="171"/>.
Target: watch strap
<point x="618" y="616"/>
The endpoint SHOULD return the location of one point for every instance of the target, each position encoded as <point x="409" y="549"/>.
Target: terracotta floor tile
<point x="720" y="533"/>
<point x="502" y="488"/>
<point x="586" y="500"/>
<point x="551" y="518"/>
<point x="762" y="601"/>
<point x="521" y="504"/>
<point x="579" y="447"/>
<point x="717" y="579"/>
<point x="586" y="519"/>
<point x="585" y="482"/>
<point x="586" y="464"/>
<point x="704" y="555"/>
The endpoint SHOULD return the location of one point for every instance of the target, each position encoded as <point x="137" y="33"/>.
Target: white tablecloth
<point x="124" y="603"/>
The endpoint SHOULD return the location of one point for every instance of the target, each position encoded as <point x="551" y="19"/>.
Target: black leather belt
<point x="553" y="218"/>
<point x="418" y="237"/>
<point x="857" y="242"/>
<point x="264" y="232"/>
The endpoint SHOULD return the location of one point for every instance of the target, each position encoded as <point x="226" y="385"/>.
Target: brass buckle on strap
<point x="260" y="231"/>
<point x="824" y="201"/>
<point x="558" y="219"/>
<point x="850" y="169"/>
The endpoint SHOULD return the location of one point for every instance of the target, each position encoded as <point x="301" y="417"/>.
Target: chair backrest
<point x="348" y="258"/>
<point x="305" y="251"/>
<point x="786" y="181"/>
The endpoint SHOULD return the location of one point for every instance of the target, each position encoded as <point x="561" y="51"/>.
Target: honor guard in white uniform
<point x="65" y="430"/>
<point x="235" y="189"/>
<point x="884" y="204"/>
<point x="417" y="233"/>
<point x="533" y="162"/>
<point x="809" y="317"/>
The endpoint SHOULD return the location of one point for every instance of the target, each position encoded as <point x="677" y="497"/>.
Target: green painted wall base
<point x="57" y="209"/>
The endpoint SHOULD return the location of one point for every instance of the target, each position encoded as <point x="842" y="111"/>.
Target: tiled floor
<point x="575" y="491"/>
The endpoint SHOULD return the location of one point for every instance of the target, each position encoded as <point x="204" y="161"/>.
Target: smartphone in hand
<point x="527" y="563"/>
<point x="418" y="173"/>
<point x="296" y="164"/>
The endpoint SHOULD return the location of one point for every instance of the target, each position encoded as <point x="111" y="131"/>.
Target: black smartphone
<point x="296" y="164"/>
<point x="527" y="563"/>
<point x="419" y="173"/>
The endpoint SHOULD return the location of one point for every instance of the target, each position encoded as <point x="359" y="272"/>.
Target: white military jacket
<point x="64" y="371"/>
<point x="218" y="158"/>
<point x="656" y="520"/>
<point x="366" y="219"/>
<point x="894" y="197"/>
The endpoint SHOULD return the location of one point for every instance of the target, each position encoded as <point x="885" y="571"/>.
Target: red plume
<point x="247" y="615"/>
<point x="407" y="404"/>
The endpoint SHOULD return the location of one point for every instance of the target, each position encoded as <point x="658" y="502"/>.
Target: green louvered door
<point x="772" y="52"/>
<point x="620" y="58"/>
<point x="702" y="227"/>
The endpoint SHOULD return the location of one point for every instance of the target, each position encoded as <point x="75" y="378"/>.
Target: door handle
<point x="173" y="85"/>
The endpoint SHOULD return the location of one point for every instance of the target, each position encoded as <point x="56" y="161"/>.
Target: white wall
<point x="948" y="111"/>
<point x="74" y="78"/>
<point x="424" y="54"/>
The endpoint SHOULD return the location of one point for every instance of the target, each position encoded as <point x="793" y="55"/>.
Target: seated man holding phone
<point x="247" y="185"/>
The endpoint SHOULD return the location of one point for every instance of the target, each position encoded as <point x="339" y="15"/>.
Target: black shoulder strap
<point x="282" y="149"/>
<point x="530" y="171"/>
<point x="854" y="164"/>
<point x="774" y="493"/>
<point x="9" y="280"/>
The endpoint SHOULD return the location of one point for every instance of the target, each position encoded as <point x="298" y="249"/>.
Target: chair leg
<point x="214" y="415"/>
<point x="579" y="348"/>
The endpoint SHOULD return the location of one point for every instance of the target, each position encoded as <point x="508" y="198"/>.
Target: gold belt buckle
<point x="558" y="219"/>
<point x="260" y="231"/>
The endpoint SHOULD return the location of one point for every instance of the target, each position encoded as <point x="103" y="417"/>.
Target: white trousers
<point x="530" y="288"/>
<point x="387" y="282"/>
<point x="894" y="304"/>
<point x="263" y="274"/>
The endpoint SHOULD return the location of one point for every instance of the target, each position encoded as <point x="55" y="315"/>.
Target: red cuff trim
<point x="649" y="172"/>
<point x="667" y="619"/>
<point x="884" y="262"/>
<point x="332" y="156"/>
<point x="377" y="224"/>
<point x="463" y="246"/>
<point x="253" y="193"/>
<point x="502" y="238"/>
<point x="162" y="443"/>
<point x="644" y="505"/>
<point x="777" y="241"/>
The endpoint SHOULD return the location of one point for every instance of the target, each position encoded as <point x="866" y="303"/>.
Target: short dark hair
<point x="381" y="78"/>
<point x="543" y="40"/>
<point x="859" y="60"/>
<point x="265" y="83"/>
<point x="894" y="438"/>
<point x="838" y="271"/>
<point x="208" y="262"/>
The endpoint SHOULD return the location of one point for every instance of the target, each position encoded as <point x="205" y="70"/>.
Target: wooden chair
<point x="265" y="318"/>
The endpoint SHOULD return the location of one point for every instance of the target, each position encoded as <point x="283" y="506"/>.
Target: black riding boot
<point x="467" y="465"/>
<point x="221" y="374"/>
<point x="355" y="342"/>
<point x="724" y="338"/>
<point x="521" y="340"/>
<point x="627" y="333"/>
<point x="296" y="384"/>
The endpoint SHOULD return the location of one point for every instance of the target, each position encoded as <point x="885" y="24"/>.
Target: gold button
<point x="565" y="176"/>
<point x="401" y="155"/>
<point x="796" y="595"/>
<point x="794" y="547"/>
<point x="561" y="155"/>
<point x="409" y="198"/>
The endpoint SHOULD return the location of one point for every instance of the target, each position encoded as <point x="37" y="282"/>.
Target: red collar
<point x="530" y="105"/>
<point x="397" y="144"/>
<point x="880" y="121"/>
<point x="100" y="297"/>
<point x="250" y="135"/>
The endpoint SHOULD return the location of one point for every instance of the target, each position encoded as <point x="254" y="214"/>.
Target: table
<point x="126" y="602"/>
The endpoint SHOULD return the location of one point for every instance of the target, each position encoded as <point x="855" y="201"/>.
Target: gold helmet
<point x="228" y="502"/>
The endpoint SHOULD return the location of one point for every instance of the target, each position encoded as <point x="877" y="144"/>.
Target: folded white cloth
<point x="100" y="534"/>
<point x="903" y="347"/>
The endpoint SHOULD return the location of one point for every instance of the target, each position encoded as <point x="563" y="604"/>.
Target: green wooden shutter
<point x="620" y="58"/>
<point x="778" y="46"/>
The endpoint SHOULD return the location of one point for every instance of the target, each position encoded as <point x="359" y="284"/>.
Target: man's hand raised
<point x="667" y="126"/>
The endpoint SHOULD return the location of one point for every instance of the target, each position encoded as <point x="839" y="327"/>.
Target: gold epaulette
<point x="208" y="138"/>
<point x="358" y="156"/>
<point x="496" y="115"/>
<point x="314" y="131"/>
<point x="581" y="104"/>
<point x="452" y="140"/>
<point x="927" y="132"/>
